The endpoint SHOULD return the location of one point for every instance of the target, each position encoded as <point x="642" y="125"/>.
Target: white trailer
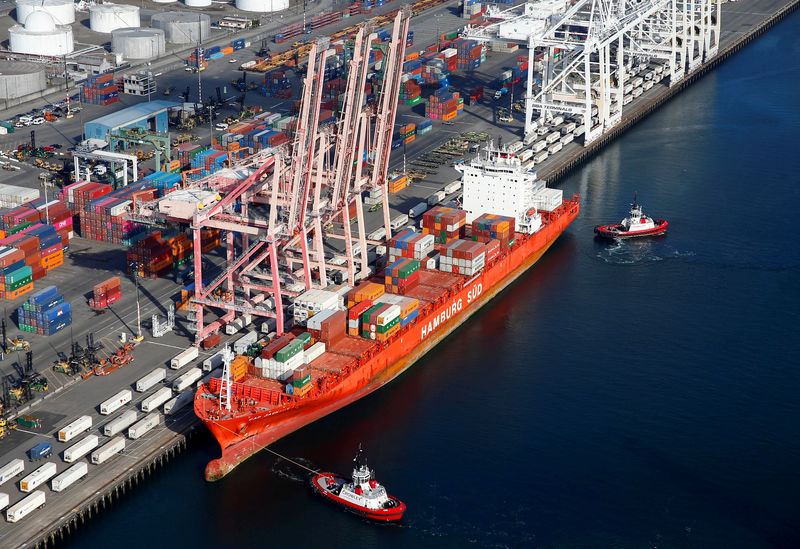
<point x="184" y="358"/>
<point x="437" y="197"/>
<point x="11" y="469"/>
<point x="556" y="121"/>
<point x="178" y="402"/>
<point x="25" y="507"/>
<point x="569" y="138"/>
<point x="552" y="137"/>
<point x="3" y="501"/>
<point x="83" y="423"/>
<point x="539" y="146"/>
<point x="568" y="128"/>
<point x="81" y="448"/>
<point x="398" y="222"/>
<point x="450" y="188"/>
<point x="378" y="234"/>
<point x="70" y="476"/>
<point x="115" y="446"/>
<point x="516" y="146"/>
<point x="116" y="402"/>
<point x="555" y="147"/>
<point x="38" y="477"/>
<point x="525" y="155"/>
<point x="187" y="380"/>
<point x="125" y="420"/>
<point x="158" y="398"/>
<point x="144" y="425"/>
<point x="151" y="380"/>
<point x="541" y="156"/>
<point x="212" y="362"/>
<point x="418" y="210"/>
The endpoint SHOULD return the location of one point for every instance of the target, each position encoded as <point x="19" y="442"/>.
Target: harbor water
<point x="643" y="394"/>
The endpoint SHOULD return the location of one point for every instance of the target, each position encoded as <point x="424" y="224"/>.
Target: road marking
<point x="164" y="344"/>
<point x="33" y="433"/>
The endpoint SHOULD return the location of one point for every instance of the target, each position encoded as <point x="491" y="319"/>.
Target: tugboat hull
<point x="618" y="231"/>
<point x="320" y="485"/>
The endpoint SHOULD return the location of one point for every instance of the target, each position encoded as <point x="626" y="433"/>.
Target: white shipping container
<point x="26" y="506"/>
<point x="116" y="402"/>
<point x="3" y="501"/>
<point x="555" y="147"/>
<point x="81" y="448"/>
<point x="115" y="446"/>
<point x="38" y="477"/>
<point x="213" y="361"/>
<point x="548" y="199"/>
<point x="151" y="380"/>
<point x="184" y="358"/>
<point x="569" y="138"/>
<point x="557" y="120"/>
<point x="516" y="146"/>
<point x="525" y="155"/>
<point x="540" y="156"/>
<point x="122" y="422"/>
<point x="539" y="146"/>
<point x="144" y="425"/>
<point x="553" y="137"/>
<point x="241" y="344"/>
<point x="436" y="197"/>
<point x="70" y="476"/>
<point x="11" y="469"/>
<point x="398" y="222"/>
<point x="378" y="234"/>
<point x="158" y="398"/>
<point x="178" y="402"/>
<point x="450" y="188"/>
<point x="83" y="423"/>
<point x="187" y="380"/>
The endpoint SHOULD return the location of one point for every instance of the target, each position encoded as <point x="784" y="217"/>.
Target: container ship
<point x="345" y="344"/>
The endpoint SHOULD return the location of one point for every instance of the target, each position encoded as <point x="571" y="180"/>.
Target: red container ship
<point x="251" y="413"/>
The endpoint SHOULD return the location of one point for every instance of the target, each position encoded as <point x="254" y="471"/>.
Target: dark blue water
<point x="635" y="395"/>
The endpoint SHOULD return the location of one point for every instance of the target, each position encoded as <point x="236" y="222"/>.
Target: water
<point x="634" y="395"/>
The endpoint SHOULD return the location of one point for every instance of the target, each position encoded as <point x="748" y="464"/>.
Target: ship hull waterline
<point x="239" y="439"/>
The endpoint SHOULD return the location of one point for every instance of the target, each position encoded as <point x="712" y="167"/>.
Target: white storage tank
<point x="262" y="5"/>
<point x="116" y="402"/>
<point x="11" y="469"/>
<point x="83" y="423"/>
<point x="108" y="17"/>
<point x="70" y="476"/>
<point x="62" y="11"/>
<point x="18" y="79"/>
<point x="125" y="420"/>
<point x="187" y="380"/>
<point x="182" y="27"/>
<point x="108" y="450"/>
<point x="81" y="448"/>
<point x="144" y="426"/>
<point x="25" y="507"/>
<point x="41" y="36"/>
<point x="38" y="477"/>
<point x="155" y="400"/>
<point x="178" y="402"/>
<point x="151" y="380"/>
<point x="135" y="43"/>
<point x="184" y="358"/>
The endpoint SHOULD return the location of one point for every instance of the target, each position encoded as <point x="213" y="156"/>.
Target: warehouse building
<point x="151" y="116"/>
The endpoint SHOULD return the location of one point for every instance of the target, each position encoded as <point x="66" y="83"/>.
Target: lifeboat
<point x="636" y="224"/>
<point x="363" y="496"/>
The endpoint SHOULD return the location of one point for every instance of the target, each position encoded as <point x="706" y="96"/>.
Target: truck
<point x="436" y="197"/>
<point x="11" y="469"/>
<point x="38" y="477"/>
<point x="398" y="222"/>
<point x="70" y="476"/>
<point x="187" y="380"/>
<point x="418" y="210"/>
<point x="122" y="422"/>
<point x="151" y="380"/>
<point x="184" y="358"/>
<point x="81" y="448"/>
<point x="144" y="425"/>
<point x="108" y="450"/>
<point x="40" y="451"/>
<point x="178" y="402"/>
<point x="116" y="402"/>
<point x="25" y="507"/>
<point x="83" y="423"/>
<point x="155" y="400"/>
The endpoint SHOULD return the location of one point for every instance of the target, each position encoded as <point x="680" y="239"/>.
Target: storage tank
<point x="197" y="3"/>
<point x="262" y="5"/>
<point x="182" y="27"/>
<point x="18" y="79"/>
<point x="135" y="43"/>
<point x="109" y="17"/>
<point x="41" y="36"/>
<point x="62" y="11"/>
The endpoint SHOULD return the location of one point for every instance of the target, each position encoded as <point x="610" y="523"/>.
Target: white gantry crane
<point x="588" y="48"/>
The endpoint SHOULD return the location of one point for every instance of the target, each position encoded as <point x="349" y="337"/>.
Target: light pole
<point x="149" y="81"/>
<point x="438" y="36"/>
<point x="139" y="337"/>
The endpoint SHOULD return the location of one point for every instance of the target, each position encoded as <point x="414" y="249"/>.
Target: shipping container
<point x="213" y="361"/>
<point x="151" y="380"/>
<point x="83" y="423"/>
<point x="450" y="188"/>
<point x="25" y="507"/>
<point x="119" y="424"/>
<point x="40" y="451"/>
<point x="4" y="499"/>
<point x="116" y="402"/>
<point x="178" y="402"/>
<point x="144" y="425"/>
<point x="418" y="210"/>
<point x="115" y="446"/>
<point x="81" y="448"/>
<point x="187" y="380"/>
<point x="155" y="400"/>
<point x="184" y="358"/>
<point x="436" y="197"/>
<point x="38" y="477"/>
<point x="11" y="469"/>
<point x="70" y="476"/>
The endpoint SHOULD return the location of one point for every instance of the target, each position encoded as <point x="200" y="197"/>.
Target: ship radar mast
<point x="361" y="473"/>
<point x="225" y="380"/>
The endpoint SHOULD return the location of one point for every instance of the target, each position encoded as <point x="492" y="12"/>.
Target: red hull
<point x="242" y="434"/>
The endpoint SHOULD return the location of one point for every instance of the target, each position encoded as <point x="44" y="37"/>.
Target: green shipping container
<point x="19" y="274"/>
<point x="301" y="382"/>
<point x="305" y="337"/>
<point x="18" y="228"/>
<point x="19" y="284"/>
<point x="289" y="351"/>
<point x="413" y="101"/>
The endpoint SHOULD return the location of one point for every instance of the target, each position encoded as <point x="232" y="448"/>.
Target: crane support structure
<point x="276" y="205"/>
<point x="580" y="54"/>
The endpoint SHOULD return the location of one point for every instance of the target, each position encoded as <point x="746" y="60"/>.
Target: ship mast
<point x="225" y="380"/>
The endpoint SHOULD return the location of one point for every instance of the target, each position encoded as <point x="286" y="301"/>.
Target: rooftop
<point x="133" y="113"/>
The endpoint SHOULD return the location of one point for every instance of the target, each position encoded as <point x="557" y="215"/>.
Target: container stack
<point x="301" y="382"/>
<point x="354" y="316"/>
<point x="380" y="322"/>
<point x="402" y="275"/>
<point x="22" y="218"/>
<point x="409" y="307"/>
<point x="492" y="250"/>
<point x="470" y="54"/>
<point x="475" y="95"/>
<point x="462" y="257"/>
<point x="365" y="291"/>
<point x="408" y="133"/>
<point x="328" y="18"/>
<point x="238" y="367"/>
<point x="12" y="196"/>
<point x="289" y="31"/>
<point x="410" y="92"/>
<point x="444" y="105"/>
<point x="307" y="304"/>
<point x="445" y="224"/>
<point x="411" y="245"/>
<point x="106" y="293"/>
<point x="100" y="89"/>
<point x="328" y="326"/>
<point x="471" y="9"/>
<point x="32" y="258"/>
<point x="45" y="312"/>
<point x="276" y="84"/>
<point x="16" y="277"/>
<point x="424" y="127"/>
<point x="198" y="58"/>
<point x="397" y="183"/>
<point x="150" y="257"/>
<point x="489" y="227"/>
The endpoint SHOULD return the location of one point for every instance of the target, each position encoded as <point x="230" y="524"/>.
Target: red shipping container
<point x="211" y="341"/>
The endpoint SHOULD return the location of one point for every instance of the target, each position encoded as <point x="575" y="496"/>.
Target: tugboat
<point x="364" y="496"/>
<point x="636" y="224"/>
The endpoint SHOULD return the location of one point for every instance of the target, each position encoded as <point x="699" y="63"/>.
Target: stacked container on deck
<point x="402" y="275"/>
<point x="409" y="307"/>
<point x="462" y="257"/>
<point x="444" y="223"/>
<point x="45" y="312"/>
<point x="100" y="89"/>
<point x="488" y="227"/>
<point x="380" y="322"/>
<point x="410" y="244"/>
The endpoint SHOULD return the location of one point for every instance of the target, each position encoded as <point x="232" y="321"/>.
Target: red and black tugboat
<point x="636" y="224"/>
<point x="364" y="496"/>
